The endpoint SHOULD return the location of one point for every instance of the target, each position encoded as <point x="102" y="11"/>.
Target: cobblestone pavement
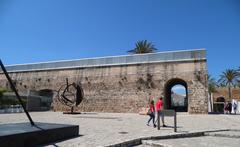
<point x="101" y="129"/>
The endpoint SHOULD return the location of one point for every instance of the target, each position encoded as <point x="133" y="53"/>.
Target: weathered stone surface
<point x="104" y="129"/>
<point x="223" y="92"/>
<point x="122" y="88"/>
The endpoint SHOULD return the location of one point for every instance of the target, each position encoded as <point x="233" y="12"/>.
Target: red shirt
<point x="159" y="105"/>
<point x="151" y="107"/>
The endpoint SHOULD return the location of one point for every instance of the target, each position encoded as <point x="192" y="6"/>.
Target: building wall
<point x="223" y="92"/>
<point x="122" y="88"/>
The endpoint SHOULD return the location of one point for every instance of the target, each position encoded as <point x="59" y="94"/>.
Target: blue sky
<point x="179" y="89"/>
<point x="46" y="30"/>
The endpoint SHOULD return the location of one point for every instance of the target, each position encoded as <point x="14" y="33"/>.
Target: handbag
<point x="149" y="112"/>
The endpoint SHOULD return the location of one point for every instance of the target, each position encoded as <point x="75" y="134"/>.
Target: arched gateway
<point x="122" y="83"/>
<point x="173" y="100"/>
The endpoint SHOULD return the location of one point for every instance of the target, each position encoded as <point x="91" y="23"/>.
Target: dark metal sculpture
<point x="70" y="95"/>
<point x="15" y="91"/>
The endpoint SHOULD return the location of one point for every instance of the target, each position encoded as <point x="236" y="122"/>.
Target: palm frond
<point x="229" y="78"/>
<point x="212" y="84"/>
<point x="142" y="47"/>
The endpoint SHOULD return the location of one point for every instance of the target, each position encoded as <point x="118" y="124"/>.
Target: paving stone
<point x="102" y="129"/>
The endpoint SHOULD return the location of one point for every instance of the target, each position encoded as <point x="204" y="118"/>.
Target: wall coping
<point x="159" y="57"/>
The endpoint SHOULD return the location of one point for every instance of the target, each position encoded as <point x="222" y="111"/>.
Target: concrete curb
<point x="138" y="141"/>
<point x="215" y="134"/>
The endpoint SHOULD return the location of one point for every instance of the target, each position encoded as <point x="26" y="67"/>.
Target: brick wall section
<point x="223" y="92"/>
<point x="120" y="88"/>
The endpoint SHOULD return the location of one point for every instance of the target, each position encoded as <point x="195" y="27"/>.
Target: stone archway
<point x="46" y="96"/>
<point x="219" y="105"/>
<point x="40" y="100"/>
<point x="46" y="92"/>
<point x="168" y="100"/>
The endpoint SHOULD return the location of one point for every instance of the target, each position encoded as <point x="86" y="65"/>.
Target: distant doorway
<point x="46" y="96"/>
<point x="218" y="106"/>
<point x="39" y="100"/>
<point x="176" y="95"/>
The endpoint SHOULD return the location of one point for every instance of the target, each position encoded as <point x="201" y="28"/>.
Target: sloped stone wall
<point x="122" y="88"/>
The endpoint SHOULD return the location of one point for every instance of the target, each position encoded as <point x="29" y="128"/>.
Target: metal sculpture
<point x="70" y="95"/>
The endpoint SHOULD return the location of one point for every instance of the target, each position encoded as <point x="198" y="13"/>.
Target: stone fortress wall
<point x="121" y="87"/>
<point x="222" y="92"/>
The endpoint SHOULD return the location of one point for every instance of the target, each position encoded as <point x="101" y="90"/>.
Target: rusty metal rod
<point x="15" y="91"/>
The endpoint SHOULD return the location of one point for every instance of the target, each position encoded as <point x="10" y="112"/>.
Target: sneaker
<point x="147" y="124"/>
<point x="164" y="125"/>
<point x="154" y="126"/>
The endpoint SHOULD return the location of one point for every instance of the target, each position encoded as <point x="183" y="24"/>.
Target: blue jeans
<point x="152" y="117"/>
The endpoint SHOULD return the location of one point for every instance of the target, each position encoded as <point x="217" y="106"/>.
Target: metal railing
<point x="184" y="55"/>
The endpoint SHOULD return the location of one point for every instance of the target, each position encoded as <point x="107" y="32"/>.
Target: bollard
<point x="175" y="121"/>
<point x="158" y="119"/>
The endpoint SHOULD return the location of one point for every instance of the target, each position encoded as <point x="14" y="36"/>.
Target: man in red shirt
<point x="159" y="106"/>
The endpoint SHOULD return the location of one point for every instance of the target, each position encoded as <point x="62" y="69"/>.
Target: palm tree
<point x="142" y="47"/>
<point x="229" y="78"/>
<point x="211" y="88"/>
<point x="238" y="71"/>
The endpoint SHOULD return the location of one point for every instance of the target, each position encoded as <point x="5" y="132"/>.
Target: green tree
<point x="2" y="91"/>
<point x="212" y="84"/>
<point x="1" y="94"/>
<point x="229" y="78"/>
<point x="142" y="47"/>
<point x="238" y="71"/>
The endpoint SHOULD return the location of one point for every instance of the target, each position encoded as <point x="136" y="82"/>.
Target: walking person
<point x="151" y="113"/>
<point x="230" y="107"/>
<point x="159" y="106"/>
<point x="225" y="108"/>
<point x="235" y="105"/>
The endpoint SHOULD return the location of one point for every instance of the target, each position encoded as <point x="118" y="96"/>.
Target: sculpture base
<point x="24" y="134"/>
